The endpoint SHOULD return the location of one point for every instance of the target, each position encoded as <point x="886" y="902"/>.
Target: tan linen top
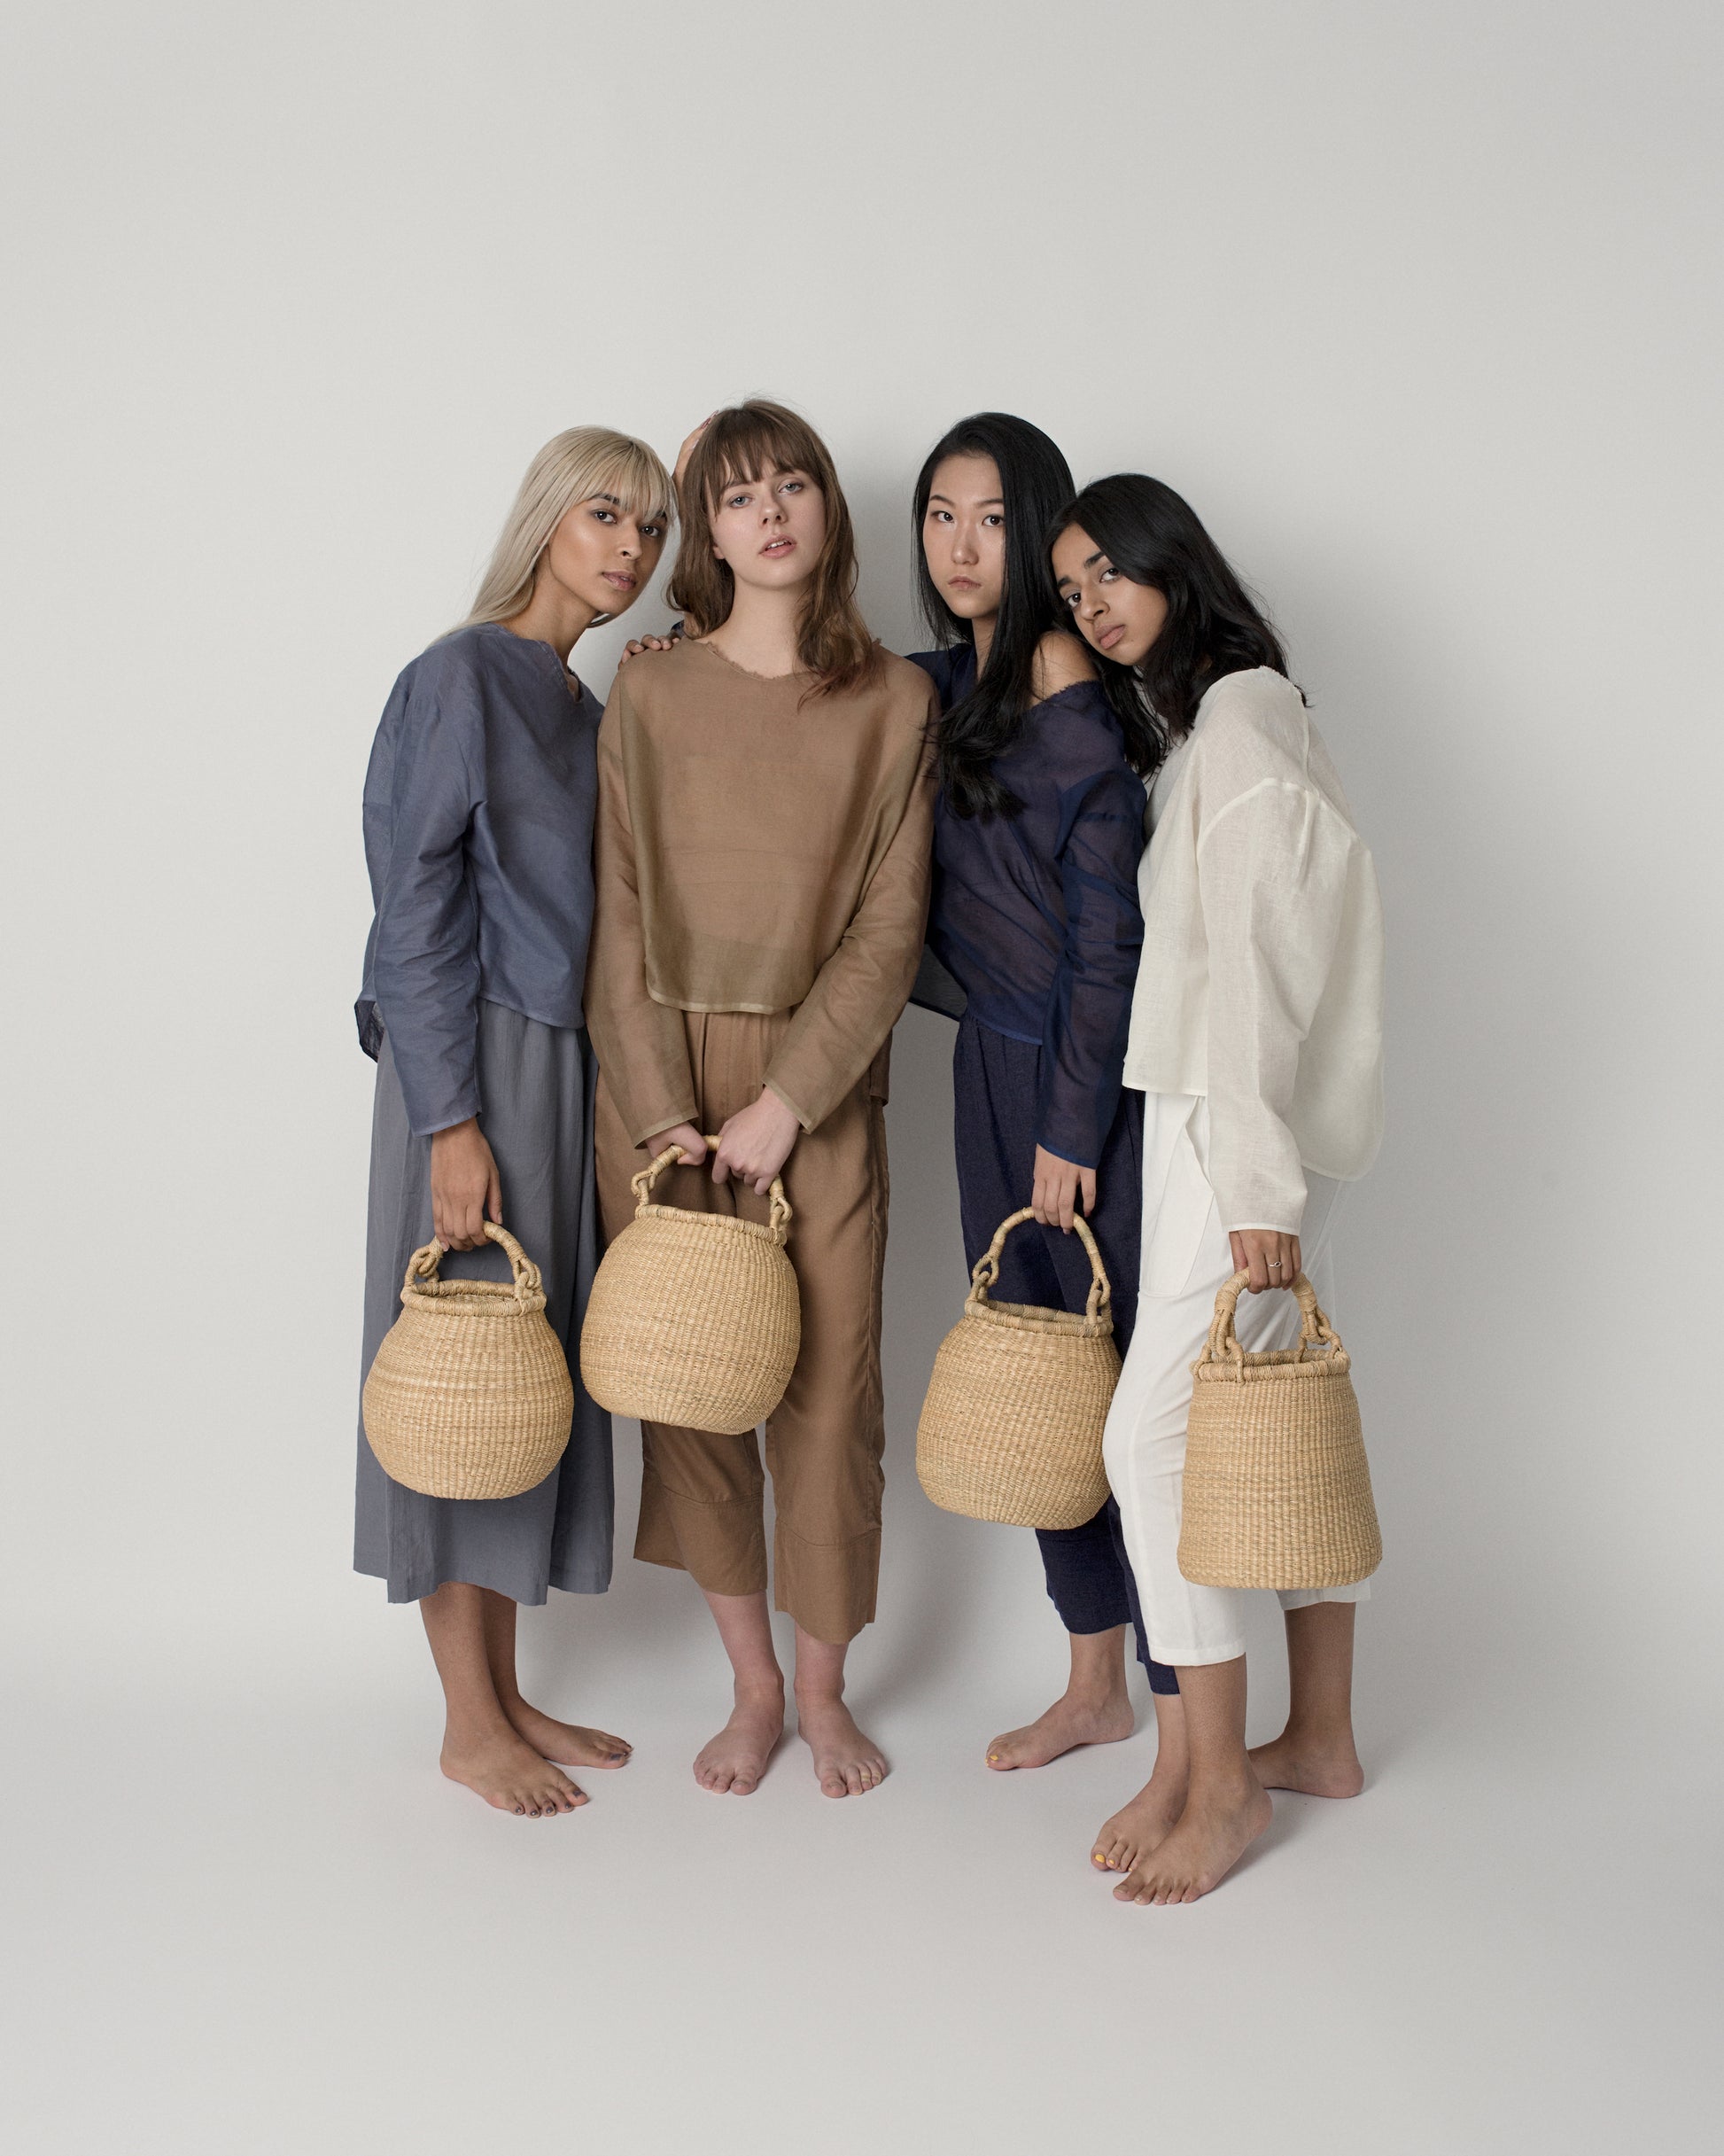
<point x="758" y="849"/>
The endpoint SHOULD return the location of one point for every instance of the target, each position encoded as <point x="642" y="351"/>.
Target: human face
<point x="1115" y="617"/>
<point x="603" y="555"/>
<point x="964" y="536"/>
<point x="771" y="531"/>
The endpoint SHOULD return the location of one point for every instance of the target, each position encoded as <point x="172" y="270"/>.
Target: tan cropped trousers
<point x="702" y="1495"/>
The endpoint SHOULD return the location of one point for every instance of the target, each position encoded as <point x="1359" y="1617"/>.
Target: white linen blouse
<point x="1262" y="980"/>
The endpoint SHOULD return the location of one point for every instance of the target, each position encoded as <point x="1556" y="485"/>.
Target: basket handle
<point x="642" y="1185"/>
<point x="421" y="1266"/>
<point x="1223" y="1344"/>
<point x="986" y="1270"/>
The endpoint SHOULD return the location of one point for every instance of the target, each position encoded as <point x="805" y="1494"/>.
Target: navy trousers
<point x="995" y="1082"/>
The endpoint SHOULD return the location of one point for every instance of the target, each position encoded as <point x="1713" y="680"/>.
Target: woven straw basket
<point x="469" y="1394"/>
<point x="1011" y="1428"/>
<point x="1278" y="1493"/>
<point x="694" y="1318"/>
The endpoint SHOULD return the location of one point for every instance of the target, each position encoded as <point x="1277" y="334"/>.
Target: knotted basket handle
<point x="421" y="1266"/>
<point x="642" y="1185"/>
<point x="986" y="1271"/>
<point x="1223" y="1344"/>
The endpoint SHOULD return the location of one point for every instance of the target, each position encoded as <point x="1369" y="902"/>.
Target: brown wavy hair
<point x="749" y="441"/>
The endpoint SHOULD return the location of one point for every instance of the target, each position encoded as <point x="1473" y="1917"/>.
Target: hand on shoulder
<point x="636" y="645"/>
<point x="1061" y="661"/>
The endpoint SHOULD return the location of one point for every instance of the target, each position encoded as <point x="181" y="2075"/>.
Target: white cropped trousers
<point x="1186" y="1260"/>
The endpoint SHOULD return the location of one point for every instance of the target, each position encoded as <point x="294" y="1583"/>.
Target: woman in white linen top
<point x="1256" y="1035"/>
<point x="1260" y="984"/>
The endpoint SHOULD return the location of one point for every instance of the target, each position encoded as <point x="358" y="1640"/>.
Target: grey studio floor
<point x="247" y="1915"/>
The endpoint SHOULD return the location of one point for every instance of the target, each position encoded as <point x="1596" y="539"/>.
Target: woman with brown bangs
<point x="764" y="827"/>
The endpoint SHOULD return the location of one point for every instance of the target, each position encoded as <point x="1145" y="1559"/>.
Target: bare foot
<point x="734" y="1761"/>
<point x="1144" y="1823"/>
<point x="1068" y="1723"/>
<point x="510" y="1774"/>
<point x="1326" y="1769"/>
<point x="1209" y="1841"/>
<point x="567" y="1741"/>
<point x="846" y="1762"/>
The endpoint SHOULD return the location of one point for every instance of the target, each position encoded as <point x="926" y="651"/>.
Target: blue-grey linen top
<point x="479" y="838"/>
<point x="1035" y="917"/>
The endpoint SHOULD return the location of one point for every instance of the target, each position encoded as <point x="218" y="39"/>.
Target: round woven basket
<point x="1011" y="1428"/>
<point x="469" y="1394"/>
<point x="1278" y="1493"/>
<point x="694" y="1318"/>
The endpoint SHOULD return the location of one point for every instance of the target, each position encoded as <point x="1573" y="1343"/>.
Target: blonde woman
<point x="478" y="836"/>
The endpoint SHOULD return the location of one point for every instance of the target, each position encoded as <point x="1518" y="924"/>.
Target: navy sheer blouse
<point x="1035" y="917"/>
<point x="478" y="836"/>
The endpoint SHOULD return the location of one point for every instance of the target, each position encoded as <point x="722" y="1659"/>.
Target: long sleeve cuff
<point x="801" y="1115"/>
<point x="430" y="1107"/>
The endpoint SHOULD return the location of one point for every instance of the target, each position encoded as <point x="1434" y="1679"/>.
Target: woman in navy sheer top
<point x="1037" y="914"/>
<point x="1033" y="942"/>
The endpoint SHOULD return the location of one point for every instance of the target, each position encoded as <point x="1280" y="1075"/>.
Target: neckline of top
<point x="567" y="675"/>
<point x="704" y="643"/>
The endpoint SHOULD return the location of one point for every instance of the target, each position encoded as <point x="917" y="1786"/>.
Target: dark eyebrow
<point x="984" y="500"/>
<point x="1090" y="561"/>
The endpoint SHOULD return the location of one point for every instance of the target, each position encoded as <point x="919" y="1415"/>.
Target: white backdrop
<point x="1418" y="307"/>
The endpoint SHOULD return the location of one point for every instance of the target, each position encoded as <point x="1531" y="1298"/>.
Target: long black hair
<point x="1214" y="627"/>
<point x="1033" y="479"/>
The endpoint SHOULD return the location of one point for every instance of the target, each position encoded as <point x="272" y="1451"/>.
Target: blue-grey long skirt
<point x="536" y="1082"/>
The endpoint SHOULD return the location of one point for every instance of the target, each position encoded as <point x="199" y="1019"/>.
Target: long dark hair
<point x="1214" y="627"/>
<point x="1033" y="479"/>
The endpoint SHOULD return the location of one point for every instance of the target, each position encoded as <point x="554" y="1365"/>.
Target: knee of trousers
<point x="825" y="1494"/>
<point x="701" y="1466"/>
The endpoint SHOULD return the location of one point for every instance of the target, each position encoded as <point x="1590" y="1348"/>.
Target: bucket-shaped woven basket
<point x="469" y="1394"/>
<point x="1011" y="1428"/>
<point x="1278" y="1493"/>
<point x="694" y="1318"/>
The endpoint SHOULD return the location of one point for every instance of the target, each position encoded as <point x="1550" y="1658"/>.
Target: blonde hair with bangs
<point x="751" y="442"/>
<point x="572" y="467"/>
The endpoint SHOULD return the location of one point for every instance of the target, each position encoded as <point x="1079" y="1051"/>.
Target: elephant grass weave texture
<point x="468" y="1395"/>
<point x="1277" y="1488"/>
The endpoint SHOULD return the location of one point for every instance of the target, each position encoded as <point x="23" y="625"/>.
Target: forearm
<point x="429" y="1007"/>
<point x="859" y="993"/>
<point x="1088" y="1013"/>
<point x="1082" y="1069"/>
<point x="1271" y="898"/>
<point x="837" y="1031"/>
<point x="1252" y="1071"/>
<point x="641" y="1045"/>
<point x="643" y="1055"/>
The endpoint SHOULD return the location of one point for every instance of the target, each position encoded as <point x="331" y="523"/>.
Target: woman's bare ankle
<point x="1312" y="1760"/>
<point x="468" y="1727"/>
